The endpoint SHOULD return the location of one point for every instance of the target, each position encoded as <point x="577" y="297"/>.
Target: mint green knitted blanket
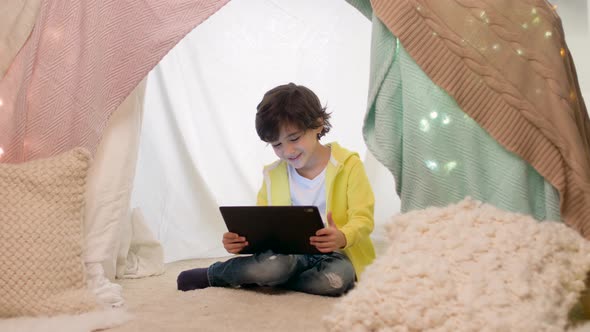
<point x="437" y="154"/>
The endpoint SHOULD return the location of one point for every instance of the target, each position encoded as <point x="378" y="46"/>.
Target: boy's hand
<point x="328" y="238"/>
<point x="233" y="243"/>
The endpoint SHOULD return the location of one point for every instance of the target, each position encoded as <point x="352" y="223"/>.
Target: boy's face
<point x="297" y="147"/>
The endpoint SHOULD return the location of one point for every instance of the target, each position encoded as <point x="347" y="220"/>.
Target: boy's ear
<point x="321" y="127"/>
<point x="318" y="131"/>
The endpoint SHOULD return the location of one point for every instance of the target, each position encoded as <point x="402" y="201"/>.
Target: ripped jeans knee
<point x="324" y="274"/>
<point x="331" y="275"/>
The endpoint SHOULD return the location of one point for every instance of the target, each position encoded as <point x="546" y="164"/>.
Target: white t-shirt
<point x="306" y="191"/>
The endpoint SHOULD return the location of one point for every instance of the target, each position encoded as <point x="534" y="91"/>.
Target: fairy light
<point x="446" y="120"/>
<point x="562" y="52"/>
<point x="483" y="15"/>
<point x="424" y="125"/>
<point x="26" y="144"/>
<point x="451" y="165"/>
<point x="548" y="34"/>
<point x="1" y="152"/>
<point x="432" y="165"/>
<point x="55" y="33"/>
<point x="1" y="102"/>
<point x="433" y="115"/>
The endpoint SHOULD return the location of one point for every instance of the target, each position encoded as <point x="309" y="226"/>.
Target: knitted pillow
<point x="468" y="267"/>
<point x="41" y="236"/>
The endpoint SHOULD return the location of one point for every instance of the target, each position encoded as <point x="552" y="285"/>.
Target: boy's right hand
<point x="233" y="243"/>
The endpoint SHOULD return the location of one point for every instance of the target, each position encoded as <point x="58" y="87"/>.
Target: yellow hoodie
<point x="349" y="198"/>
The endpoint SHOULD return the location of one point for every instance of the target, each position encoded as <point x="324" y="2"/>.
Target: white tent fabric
<point x="199" y="147"/>
<point x="109" y="186"/>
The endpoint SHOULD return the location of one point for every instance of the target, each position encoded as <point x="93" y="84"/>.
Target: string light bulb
<point x="432" y="165"/>
<point x="451" y="165"/>
<point x="424" y="125"/>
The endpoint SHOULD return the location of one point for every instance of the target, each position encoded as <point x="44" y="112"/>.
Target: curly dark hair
<point x="290" y="104"/>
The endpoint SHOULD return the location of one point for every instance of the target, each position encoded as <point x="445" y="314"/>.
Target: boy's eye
<point x="276" y="145"/>
<point x="295" y="139"/>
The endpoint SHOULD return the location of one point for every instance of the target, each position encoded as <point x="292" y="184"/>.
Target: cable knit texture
<point x="507" y="65"/>
<point x="468" y="267"/>
<point x="41" y="236"/>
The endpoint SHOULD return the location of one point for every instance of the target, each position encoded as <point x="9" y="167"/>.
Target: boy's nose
<point x="289" y="151"/>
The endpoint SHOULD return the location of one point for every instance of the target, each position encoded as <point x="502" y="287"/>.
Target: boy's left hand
<point x="329" y="238"/>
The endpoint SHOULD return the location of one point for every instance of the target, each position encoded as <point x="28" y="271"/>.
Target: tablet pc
<point x="282" y="229"/>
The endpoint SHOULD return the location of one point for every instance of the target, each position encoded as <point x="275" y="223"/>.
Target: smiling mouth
<point x="295" y="158"/>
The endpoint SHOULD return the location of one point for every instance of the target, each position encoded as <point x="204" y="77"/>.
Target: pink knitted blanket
<point x="80" y="62"/>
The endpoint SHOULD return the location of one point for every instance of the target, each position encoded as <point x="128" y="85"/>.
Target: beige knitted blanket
<point x="507" y="65"/>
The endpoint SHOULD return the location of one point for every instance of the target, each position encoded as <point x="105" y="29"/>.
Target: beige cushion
<point x="41" y="236"/>
<point x="468" y="267"/>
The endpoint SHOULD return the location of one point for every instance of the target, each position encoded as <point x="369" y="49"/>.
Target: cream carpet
<point x="157" y="306"/>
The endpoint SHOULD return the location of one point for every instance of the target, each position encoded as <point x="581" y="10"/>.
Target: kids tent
<point x="183" y="132"/>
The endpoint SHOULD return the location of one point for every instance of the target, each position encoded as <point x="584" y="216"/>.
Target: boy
<point x="291" y="118"/>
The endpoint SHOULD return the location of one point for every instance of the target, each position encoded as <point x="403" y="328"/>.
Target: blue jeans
<point x="326" y="274"/>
